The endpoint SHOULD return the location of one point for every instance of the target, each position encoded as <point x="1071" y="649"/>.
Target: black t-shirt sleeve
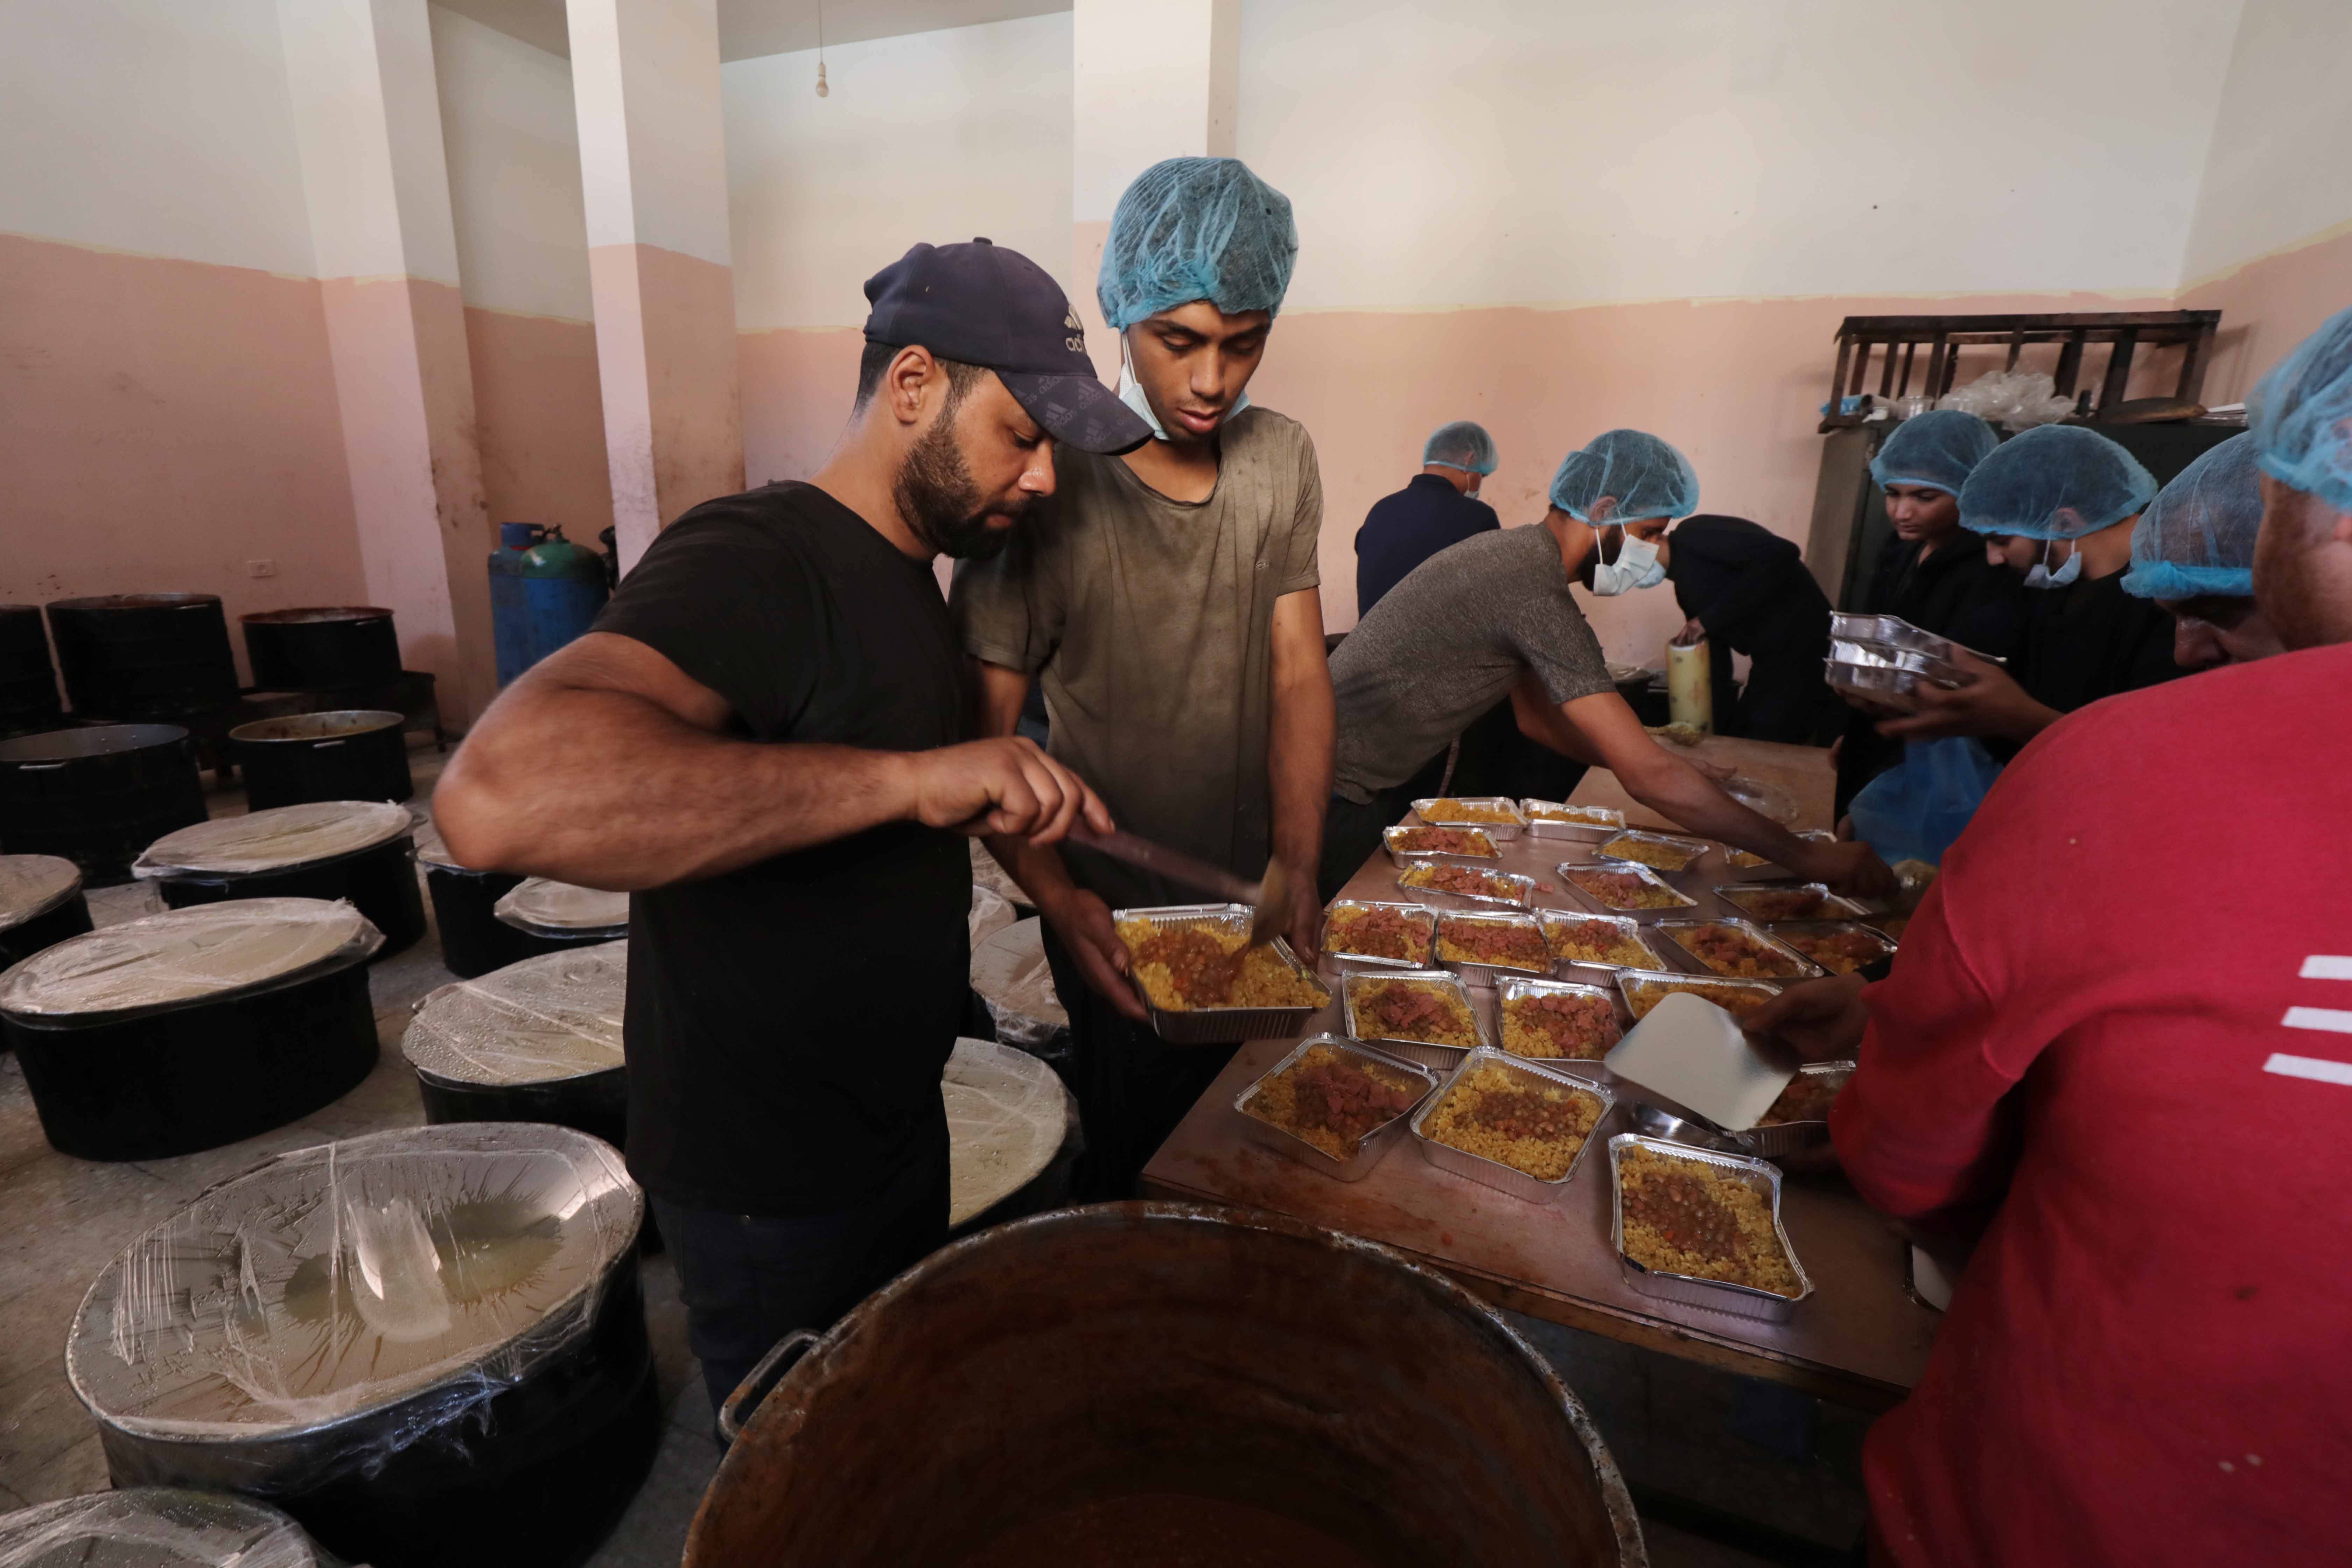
<point x="735" y="605"/>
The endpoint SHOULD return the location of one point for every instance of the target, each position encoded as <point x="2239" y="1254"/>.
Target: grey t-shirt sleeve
<point x="1300" y="565"/>
<point x="1547" y="630"/>
<point x="1008" y="609"/>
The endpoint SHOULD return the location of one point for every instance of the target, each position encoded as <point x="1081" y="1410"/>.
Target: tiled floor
<point x="1668" y="1422"/>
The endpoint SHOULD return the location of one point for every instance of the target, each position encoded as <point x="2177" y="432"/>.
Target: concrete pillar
<point x="368" y="123"/>
<point x="653" y="166"/>
<point x="1148" y="82"/>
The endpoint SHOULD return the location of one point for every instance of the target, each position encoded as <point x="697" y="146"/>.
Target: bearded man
<point x="760" y="741"/>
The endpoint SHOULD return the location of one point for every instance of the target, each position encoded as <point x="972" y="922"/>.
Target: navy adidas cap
<point x="985" y="305"/>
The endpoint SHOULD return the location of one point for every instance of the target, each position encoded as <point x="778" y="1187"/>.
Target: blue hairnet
<point x="2197" y="535"/>
<point x="2055" y="481"/>
<point x="1462" y="444"/>
<point x="2301" y="416"/>
<point x="1938" y="449"/>
<point x="1196" y="228"/>
<point x="1624" y="476"/>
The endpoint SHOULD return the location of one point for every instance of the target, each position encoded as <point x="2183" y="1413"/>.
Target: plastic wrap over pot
<point x="33" y="885"/>
<point x="990" y="913"/>
<point x="280" y="836"/>
<point x="1007" y="1114"/>
<point x="156" y="1527"/>
<point x="544" y="1019"/>
<point x="315" y="1317"/>
<point x="1010" y="973"/>
<point x="541" y="904"/>
<point x="206" y="953"/>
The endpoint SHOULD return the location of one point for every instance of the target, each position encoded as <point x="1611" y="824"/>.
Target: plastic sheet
<point x="1007" y="1114"/>
<point x="155" y="1527"/>
<point x="989" y="913"/>
<point x="546" y="905"/>
<point x="184" y="955"/>
<point x="544" y="1019"/>
<point x="33" y="885"/>
<point x="336" y="1305"/>
<point x="1010" y="972"/>
<point x="987" y="873"/>
<point x="2017" y="399"/>
<point x="280" y="836"/>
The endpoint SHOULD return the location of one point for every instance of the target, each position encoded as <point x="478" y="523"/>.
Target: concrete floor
<point x="1669" y="1424"/>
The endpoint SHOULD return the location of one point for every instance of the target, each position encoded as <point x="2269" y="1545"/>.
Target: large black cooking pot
<point x="352" y="753"/>
<point x="535" y="1041"/>
<point x="155" y="1527"/>
<point x="362" y="851"/>
<point x="28" y="681"/>
<point x="321" y="648"/>
<point x="143" y="656"/>
<point x="97" y="796"/>
<point x="1217" y="1377"/>
<point x="41" y="904"/>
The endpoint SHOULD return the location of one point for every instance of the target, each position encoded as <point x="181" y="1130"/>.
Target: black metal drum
<point x="41" y="904"/>
<point x="28" y="681"/>
<point x="156" y="1527"/>
<point x="474" y="941"/>
<point x="323" y="648"/>
<point x="143" y="656"/>
<point x="99" y="795"/>
<point x="352" y="753"/>
<point x="535" y="1041"/>
<point x="361" y="850"/>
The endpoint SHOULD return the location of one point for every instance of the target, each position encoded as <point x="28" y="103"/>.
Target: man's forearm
<point x="609" y="791"/>
<point x="1299" y="771"/>
<point x="1680" y="792"/>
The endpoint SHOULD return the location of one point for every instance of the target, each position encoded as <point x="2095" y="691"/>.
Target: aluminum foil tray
<point x="1415" y="914"/>
<point x="1806" y="969"/>
<point x="1514" y="988"/>
<point x="1741" y="896"/>
<point x="1788" y="1137"/>
<point x="1783" y="930"/>
<point x="1643" y="990"/>
<point x="1392" y="836"/>
<point x="1369" y="1149"/>
<point x="1485" y="975"/>
<point x="1443" y="1057"/>
<point x="1607" y="822"/>
<point x="1523" y="888"/>
<point x="1624" y="925"/>
<point x="1494" y="1174"/>
<point x="1712" y="1295"/>
<point x="1693" y="848"/>
<point x="1220" y="1026"/>
<point x="1500" y="832"/>
<point x="1682" y="901"/>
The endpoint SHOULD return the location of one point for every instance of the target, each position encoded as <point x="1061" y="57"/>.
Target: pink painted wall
<point x="541" y="418"/>
<point x="167" y="422"/>
<point x="2269" y="305"/>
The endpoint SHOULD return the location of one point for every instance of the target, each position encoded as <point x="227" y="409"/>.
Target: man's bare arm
<point x="1299" y="756"/>
<point x="1540" y="721"/>
<point x="607" y="766"/>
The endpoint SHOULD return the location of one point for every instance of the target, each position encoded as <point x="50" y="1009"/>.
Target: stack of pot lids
<point x="451" y="1261"/>
<point x="155" y="1527"/>
<point x="201" y="955"/>
<point x="563" y="909"/>
<point x="275" y="839"/>
<point x="1007" y="1114"/>
<point x="540" y="1021"/>
<point x="33" y="885"/>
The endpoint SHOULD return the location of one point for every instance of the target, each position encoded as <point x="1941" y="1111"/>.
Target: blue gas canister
<point x="544" y="590"/>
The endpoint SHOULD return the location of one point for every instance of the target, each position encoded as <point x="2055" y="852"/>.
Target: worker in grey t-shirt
<point x="1494" y="616"/>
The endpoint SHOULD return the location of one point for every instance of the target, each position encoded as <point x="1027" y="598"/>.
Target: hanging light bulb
<point x="822" y="91"/>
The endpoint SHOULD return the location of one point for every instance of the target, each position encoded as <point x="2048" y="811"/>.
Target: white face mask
<point x="1636" y="566"/>
<point x="2041" y="576"/>
<point x="1130" y="392"/>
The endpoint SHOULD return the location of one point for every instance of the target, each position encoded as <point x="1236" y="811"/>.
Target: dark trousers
<point x="751" y="1279"/>
<point x="1132" y="1087"/>
<point x="1351" y="835"/>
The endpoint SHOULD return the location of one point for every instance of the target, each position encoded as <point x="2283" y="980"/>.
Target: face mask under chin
<point x="1130" y="392"/>
<point x="1636" y="566"/>
<point x="2041" y="576"/>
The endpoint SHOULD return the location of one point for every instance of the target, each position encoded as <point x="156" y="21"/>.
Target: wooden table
<point x="1859" y="1340"/>
<point x="1800" y="774"/>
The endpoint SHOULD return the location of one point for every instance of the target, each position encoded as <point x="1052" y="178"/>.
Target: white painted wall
<point x="1151" y="82"/>
<point x="644" y="74"/>
<point x="2280" y="169"/>
<point x="513" y="143"/>
<point x="155" y="127"/>
<point x="1561" y="151"/>
<point x="934" y="136"/>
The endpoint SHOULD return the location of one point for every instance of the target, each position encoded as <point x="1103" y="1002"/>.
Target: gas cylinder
<point x="544" y="590"/>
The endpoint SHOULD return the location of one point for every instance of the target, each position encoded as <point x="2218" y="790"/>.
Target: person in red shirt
<point x="2117" y="1040"/>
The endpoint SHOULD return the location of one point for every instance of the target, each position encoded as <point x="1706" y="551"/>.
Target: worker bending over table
<point x="1167" y="602"/>
<point x="1494" y="617"/>
<point x="760" y="740"/>
<point x="1747" y="590"/>
<point x="2193" y="553"/>
<point x="2057" y="504"/>
<point x="2110" y="1043"/>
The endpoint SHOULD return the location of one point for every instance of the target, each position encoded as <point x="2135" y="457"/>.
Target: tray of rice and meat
<point x="1658" y="851"/>
<point x="1552" y="819"/>
<point x="1516" y="1126"/>
<point x="1333" y="1104"/>
<point x="1788" y="901"/>
<point x="1411" y="845"/>
<point x="1500" y="818"/>
<point x="1555" y="1019"/>
<point x="1475" y="883"/>
<point x="1598" y="942"/>
<point x="1624" y="888"/>
<point x="1799" y="1118"/>
<point x="1422" y="1015"/>
<point x="1384" y="936"/>
<point x="1748" y="860"/>
<point x="1842" y="947"/>
<point x="1203" y="983"/>
<point x="1702" y="1229"/>
<point x="1644" y="991"/>
<point x="1484" y="948"/>
<point x="1737" y="950"/>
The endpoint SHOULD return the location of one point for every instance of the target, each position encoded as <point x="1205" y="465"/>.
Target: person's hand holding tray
<point x="1691" y="1052"/>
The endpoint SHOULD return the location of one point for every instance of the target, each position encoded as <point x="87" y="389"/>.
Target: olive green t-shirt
<point x="1148" y="623"/>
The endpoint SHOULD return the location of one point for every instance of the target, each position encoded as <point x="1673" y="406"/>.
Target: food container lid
<point x="1692" y="1051"/>
<point x="205" y="952"/>
<point x="33" y="885"/>
<point x="343" y="1279"/>
<point x="544" y="904"/>
<point x="1007" y="1115"/>
<point x="540" y="1021"/>
<point x="274" y="839"/>
<point x="155" y="1527"/>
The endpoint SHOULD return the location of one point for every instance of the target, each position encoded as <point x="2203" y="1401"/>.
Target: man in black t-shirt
<point x="763" y="740"/>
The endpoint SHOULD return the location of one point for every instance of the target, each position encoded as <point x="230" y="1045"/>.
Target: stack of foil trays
<point x="1879" y="656"/>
